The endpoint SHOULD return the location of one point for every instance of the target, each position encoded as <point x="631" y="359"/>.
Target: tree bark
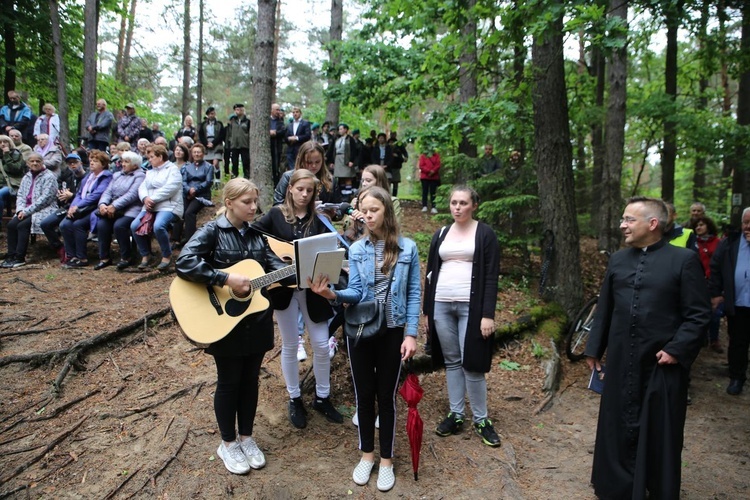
<point x="333" y="108"/>
<point x="263" y="83"/>
<point x="128" y="41"/>
<point x="520" y="52"/>
<point x="62" y="91"/>
<point x="90" y="47"/>
<point x="611" y="199"/>
<point x="467" y="78"/>
<point x="121" y="41"/>
<point x="553" y="158"/>
<point x="276" y="42"/>
<point x="673" y="15"/>
<point x="728" y="159"/>
<point x="9" y="41"/>
<point x="699" y="172"/>
<point x="186" y="61"/>
<point x="740" y="185"/>
<point x="199" y="90"/>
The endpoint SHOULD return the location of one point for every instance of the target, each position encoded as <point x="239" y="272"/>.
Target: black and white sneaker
<point x="297" y="413"/>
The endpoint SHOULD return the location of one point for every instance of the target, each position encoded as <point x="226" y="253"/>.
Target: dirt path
<point x="138" y="421"/>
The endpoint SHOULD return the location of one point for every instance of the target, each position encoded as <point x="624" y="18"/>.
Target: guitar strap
<point x="327" y="223"/>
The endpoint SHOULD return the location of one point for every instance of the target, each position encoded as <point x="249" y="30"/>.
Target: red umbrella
<point x="412" y="393"/>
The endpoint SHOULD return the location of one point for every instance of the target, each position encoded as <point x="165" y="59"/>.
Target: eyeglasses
<point x="628" y="220"/>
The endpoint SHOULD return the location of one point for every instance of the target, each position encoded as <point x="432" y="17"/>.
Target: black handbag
<point x="367" y="320"/>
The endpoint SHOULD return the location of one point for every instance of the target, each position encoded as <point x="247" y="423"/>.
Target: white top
<point x="454" y="280"/>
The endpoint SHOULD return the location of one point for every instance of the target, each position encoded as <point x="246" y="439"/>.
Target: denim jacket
<point x="405" y="287"/>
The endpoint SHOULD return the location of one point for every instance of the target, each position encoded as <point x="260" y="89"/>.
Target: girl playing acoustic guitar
<point x="218" y="245"/>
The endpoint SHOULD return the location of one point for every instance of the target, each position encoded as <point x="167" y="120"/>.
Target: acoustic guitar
<point x="208" y="313"/>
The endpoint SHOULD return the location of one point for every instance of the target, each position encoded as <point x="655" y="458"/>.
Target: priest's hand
<point x="715" y="301"/>
<point x="664" y="358"/>
<point x="594" y="364"/>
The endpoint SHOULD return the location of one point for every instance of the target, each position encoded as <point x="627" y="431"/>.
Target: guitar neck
<point x="273" y="277"/>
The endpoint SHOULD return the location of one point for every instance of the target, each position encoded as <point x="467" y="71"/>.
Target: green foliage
<point x="423" y="241"/>
<point x="537" y="349"/>
<point x="509" y="365"/>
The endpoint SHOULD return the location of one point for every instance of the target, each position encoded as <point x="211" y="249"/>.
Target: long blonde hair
<point x="287" y="208"/>
<point x="390" y="230"/>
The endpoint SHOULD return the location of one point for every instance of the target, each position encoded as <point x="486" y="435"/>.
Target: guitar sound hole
<point x="236" y="307"/>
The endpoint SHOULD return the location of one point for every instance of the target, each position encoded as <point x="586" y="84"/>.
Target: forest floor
<point x="134" y="416"/>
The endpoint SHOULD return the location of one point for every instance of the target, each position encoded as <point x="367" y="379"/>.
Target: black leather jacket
<point x="216" y="246"/>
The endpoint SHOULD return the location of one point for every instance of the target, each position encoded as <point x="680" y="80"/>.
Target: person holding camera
<point x="76" y="226"/>
<point x="118" y="207"/>
<point x="383" y="266"/>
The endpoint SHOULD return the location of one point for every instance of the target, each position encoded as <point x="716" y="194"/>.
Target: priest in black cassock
<point x="652" y="310"/>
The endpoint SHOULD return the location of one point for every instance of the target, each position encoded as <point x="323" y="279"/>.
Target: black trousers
<point x="120" y="227"/>
<point x="19" y="232"/>
<point x="376" y="366"/>
<point x="429" y="187"/>
<point x="183" y="230"/>
<point x="236" y="396"/>
<point x="738" y="327"/>
<point x="243" y="153"/>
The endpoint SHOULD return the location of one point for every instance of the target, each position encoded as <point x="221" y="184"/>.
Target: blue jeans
<point x="4" y="199"/>
<point x="451" y="320"/>
<point x="50" y="225"/>
<point x="75" y="234"/>
<point x="161" y="233"/>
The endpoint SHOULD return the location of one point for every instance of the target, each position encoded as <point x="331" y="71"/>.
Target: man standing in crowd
<point x="129" y="127"/>
<point x="238" y="138"/>
<point x="156" y="131"/>
<point x="400" y="155"/>
<point x="488" y="162"/>
<point x="652" y="313"/>
<point x="730" y="283"/>
<point x="98" y="125"/>
<point x="677" y="235"/>
<point x="697" y="210"/>
<point x="15" y="114"/>
<point x="278" y="134"/>
<point x="145" y="132"/>
<point x="297" y="133"/>
<point x="17" y="138"/>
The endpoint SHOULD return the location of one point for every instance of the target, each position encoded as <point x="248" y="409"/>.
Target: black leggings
<point x="376" y="366"/>
<point x="236" y="397"/>
<point x="19" y="232"/>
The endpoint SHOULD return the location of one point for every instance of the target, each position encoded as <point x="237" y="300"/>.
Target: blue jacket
<point x="91" y="201"/>
<point x="405" y="288"/>
<point x="18" y="118"/>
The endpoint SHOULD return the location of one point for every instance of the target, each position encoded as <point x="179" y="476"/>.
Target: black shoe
<point x="163" y="266"/>
<point x="735" y="386"/>
<point x="297" y="413"/>
<point x="8" y="263"/>
<point x="484" y="429"/>
<point x="102" y="264"/>
<point x="75" y="264"/>
<point x="324" y="406"/>
<point x="123" y="264"/>
<point x="452" y="424"/>
<point x="17" y="263"/>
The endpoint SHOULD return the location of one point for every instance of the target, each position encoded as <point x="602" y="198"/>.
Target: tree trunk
<point x="128" y="41"/>
<point x="199" y="90"/>
<point x="728" y="163"/>
<point x="740" y="186"/>
<point x="276" y="42"/>
<point x="553" y="158"/>
<point x="62" y="91"/>
<point x="467" y="68"/>
<point x="519" y="65"/>
<point x="262" y="84"/>
<point x="611" y="198"/>
<point x="186" y="62"/>
<point x="9" y="41"/>
<point x="672" y="19"/>
<point x="334" y="71"/>
<point x="597" y="139"/>
<point x="699" y="172"/>
<point x="119" y="60"/>
<point x="90" y="47"/>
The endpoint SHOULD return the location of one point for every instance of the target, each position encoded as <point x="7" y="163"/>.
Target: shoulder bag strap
<point x="328" y="224"/>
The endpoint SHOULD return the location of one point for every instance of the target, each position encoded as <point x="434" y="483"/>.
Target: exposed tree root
<point x="123" y="483"/>
<point x="152" y="478"/>
<point x="60" y="409"/>
<point x="178" y="394"/>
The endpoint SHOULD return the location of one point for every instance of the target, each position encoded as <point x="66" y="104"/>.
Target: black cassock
<point x="651" y="300"/>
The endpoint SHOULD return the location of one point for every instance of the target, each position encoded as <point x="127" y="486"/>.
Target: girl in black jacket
<point x="215" y="246"/>
<point x="295" y="219"/>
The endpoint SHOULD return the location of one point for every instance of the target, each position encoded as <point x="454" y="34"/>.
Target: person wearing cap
<point x="238" y="137"/>
<point x="129" y="126"/>
<point x="211" y="134"/>
<point x="298" y="132"/>
<point x="98" y="126"/>
<point x="71" y="174"/>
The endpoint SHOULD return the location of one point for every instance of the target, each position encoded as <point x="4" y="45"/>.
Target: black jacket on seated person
<point x="216" y="246"/>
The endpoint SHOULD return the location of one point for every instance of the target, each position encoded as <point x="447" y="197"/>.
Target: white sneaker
<point x="433" y="211"/>
<point x="424" y="209"/>
<point x="301" y="353"/>
<point x="333" y="346"/>
<point x="255" y="457"/>
<point x="386" y="478"/>
<point x="362" y="472"/>
<point x="234" y="459"/>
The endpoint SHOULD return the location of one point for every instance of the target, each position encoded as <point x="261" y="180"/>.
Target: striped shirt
<point x="381" y="283"/>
